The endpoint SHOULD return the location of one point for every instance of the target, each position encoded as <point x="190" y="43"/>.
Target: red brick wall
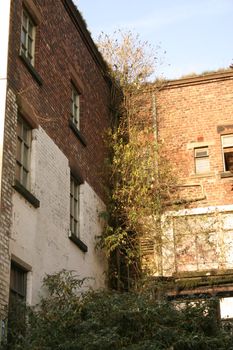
<point x="194" y="110"/>
<point x="59" y="50"/>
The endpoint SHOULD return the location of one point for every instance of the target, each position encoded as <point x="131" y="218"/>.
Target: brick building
<point x="194" y="121"/>
<point x="54" y="109"/>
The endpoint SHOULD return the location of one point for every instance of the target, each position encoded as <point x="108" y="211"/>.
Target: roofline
<point x="199" y="79"/>
<point x="80" y="25"/>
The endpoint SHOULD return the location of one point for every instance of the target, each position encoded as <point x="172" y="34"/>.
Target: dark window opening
<point x="17" y="305"/>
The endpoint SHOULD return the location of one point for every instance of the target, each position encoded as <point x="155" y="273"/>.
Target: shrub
<point x="68" y="319"/>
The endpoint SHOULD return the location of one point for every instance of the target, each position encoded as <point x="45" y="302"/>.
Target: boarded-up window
<point x="202" y="162"/>
<point x="196" y="242"/>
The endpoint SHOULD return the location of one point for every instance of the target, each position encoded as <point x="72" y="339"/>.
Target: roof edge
<point x="80" y="25"/>
<point x="199" y="79"/>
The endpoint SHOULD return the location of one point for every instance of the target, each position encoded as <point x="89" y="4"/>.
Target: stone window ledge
<point x="226" y="174"/>
<point x="31" y="69"/>
<point x="77" y="133"/>
<point x="201" y="175"/>
<point x="78" y="242"/>
<point x="26" y="194"/>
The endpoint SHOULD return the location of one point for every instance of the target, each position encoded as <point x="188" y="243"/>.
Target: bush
<point x="68" y="319"/>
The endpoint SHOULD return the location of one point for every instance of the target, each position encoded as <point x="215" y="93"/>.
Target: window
<point x="74" y="206"/>
<point x="75" y="196"/>
<point x="18" y="282"/>
<point x="227" y="150"/>
<point x="75" y="107"/>
<point x="17" y="299"/>
<point x="28" y="31"/>
<point x="23" y="152"/>
<point x="202" y="163"/>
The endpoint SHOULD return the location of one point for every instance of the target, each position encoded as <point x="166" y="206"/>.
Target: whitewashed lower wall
<point x="40" y="236"/>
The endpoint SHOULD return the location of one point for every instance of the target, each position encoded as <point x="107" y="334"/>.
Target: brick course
<point x="6" y="198"/>
<point x="193" y="111"/>
<point x="61" y="49"/>
<point x="63" y="46"/>
<point x="190" y="113"/>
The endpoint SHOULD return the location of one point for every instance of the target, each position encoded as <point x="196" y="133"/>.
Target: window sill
<point x="77" y="133"/>
<point x="31" y="69"/>
<point x="226" y="174"/>
<point x="26" y="194"/>
<point x="196" y="176"/>
<point x="78" y="242"/>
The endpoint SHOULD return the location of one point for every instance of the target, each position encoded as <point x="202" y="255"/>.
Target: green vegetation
<point x="140" y="179"/>
<point x="70" y="316"/>
<point x="68" y="319"/>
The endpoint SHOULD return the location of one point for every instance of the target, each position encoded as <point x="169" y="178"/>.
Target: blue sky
<point x="196" y="34"/>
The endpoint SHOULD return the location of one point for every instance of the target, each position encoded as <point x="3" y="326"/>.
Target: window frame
<point x="25" y="50"/>
<point x="74" y="206"/>
<point x="19" y="185"/>
<point x="75" y="106"/>
<point x="75" y="235"/>
<point x="76" y="92"/>
<point x="197" y="157"/>
<point x="223" y="153"/>
<point x="25" y="144"/>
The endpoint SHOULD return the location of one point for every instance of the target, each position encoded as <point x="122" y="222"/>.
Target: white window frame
<point x="28" y="34"/>
<point x="74" y="207"/>
<point x="23" y="152"/>
<point x="75" y="106"/>
<point x="199" y="154"/>
<point x="226" y="143"/>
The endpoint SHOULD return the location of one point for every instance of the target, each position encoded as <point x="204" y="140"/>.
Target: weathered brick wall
<point x="194" y="113"/>
<point x="6" y="198"/>
<point x="191" y="111"/>
<point x="60" y="49"/>
<point x="39" y="236"/>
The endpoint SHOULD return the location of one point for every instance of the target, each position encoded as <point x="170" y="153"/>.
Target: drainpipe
<point x="154" y="116"/>
<point x="158" y="248"/>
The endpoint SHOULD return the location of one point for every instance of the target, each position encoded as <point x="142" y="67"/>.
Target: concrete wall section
<point x="198" y="240"/>
<point x="41" y="236"/>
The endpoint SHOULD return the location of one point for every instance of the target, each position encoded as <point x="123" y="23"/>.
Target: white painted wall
<point x="226" y="308"/>
<point x="40" y="236"/>
<point x="4" y="35"/>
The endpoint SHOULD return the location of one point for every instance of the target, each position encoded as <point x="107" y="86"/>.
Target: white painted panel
<point x="40" y="236"/>
<point x="226" y="308"/>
